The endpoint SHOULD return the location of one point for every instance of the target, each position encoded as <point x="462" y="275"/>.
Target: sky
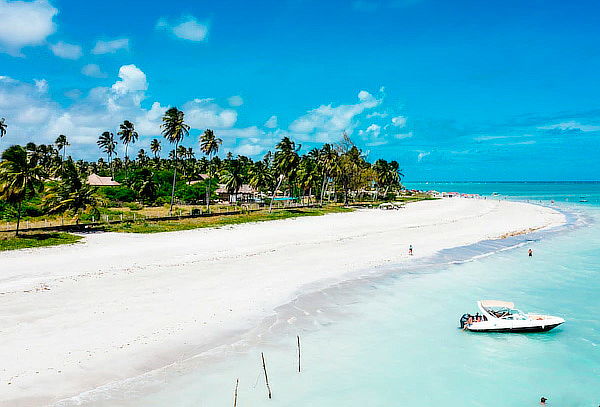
<point x="452" y="90"/>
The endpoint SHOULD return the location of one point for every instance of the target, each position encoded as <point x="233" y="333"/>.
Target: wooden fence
<point x="66" y="224"/>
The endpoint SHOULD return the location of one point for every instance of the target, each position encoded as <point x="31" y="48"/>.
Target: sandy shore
<point x="76" y="317"/>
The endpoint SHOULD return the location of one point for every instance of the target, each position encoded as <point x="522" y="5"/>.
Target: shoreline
<point x="361" y="243"/>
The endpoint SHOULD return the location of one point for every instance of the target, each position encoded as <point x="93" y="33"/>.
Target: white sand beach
<point x="76" y="317"/>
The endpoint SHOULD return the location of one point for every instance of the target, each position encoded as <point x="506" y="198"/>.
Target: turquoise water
<point x="392" y="339"/>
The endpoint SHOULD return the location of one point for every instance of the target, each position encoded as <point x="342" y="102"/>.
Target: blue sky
<point x="453" y="90"/>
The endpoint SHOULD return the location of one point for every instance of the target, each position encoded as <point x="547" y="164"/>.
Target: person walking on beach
<point x="410" y="250"/>
<point x="530" y="253"/>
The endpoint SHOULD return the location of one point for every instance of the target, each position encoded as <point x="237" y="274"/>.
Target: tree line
<point x="335" y="172"/>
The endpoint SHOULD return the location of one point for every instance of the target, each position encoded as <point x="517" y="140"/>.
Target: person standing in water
<point x="530" y="253"/>
<point x="410" y="250"/>
<point x="543" y="399"/>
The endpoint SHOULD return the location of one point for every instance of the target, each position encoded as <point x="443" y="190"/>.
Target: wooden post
<point x="262" y="355"/>
<point x="298" y="336"/>
<point x="237" y="382"/>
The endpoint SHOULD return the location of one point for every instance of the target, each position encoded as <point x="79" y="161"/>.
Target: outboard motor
<point x="463" y="320"/>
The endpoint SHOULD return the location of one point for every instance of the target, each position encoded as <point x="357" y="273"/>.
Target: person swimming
<point x="530" y="253"/>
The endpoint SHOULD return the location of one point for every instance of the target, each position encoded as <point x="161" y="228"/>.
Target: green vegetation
<point x="40" y="185"/>
<point x="222" y="220"/>
<point x="28" y="240"/>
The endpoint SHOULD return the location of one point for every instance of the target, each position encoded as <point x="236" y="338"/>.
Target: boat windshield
<point x="506" y="313"/>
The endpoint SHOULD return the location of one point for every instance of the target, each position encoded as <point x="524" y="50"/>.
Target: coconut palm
<point x="209" y="144"/>
<point x="285" y="161"/>
<point x="327" y="159"/>
<point x="61" y="143"/>
<point x="128" y="136"/>
<point x="72" y="195"/>
<point x="233" y="177"/>
<point x="21" y="177"/>
<point x="155" y="148"/>
<point x="108" y="145"/>
<point x="260" y="176"/>
<point x="174" y="129"/>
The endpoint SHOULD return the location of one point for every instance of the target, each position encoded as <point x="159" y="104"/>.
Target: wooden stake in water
<point x="262" y="355"/>
<point x="237" y="382"/>
<point x="298" y="336"/>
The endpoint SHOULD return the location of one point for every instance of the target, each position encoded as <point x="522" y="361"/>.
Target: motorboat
<point x="502" y="316"/>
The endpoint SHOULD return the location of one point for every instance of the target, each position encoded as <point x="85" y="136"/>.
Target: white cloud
<point x="204" y="113"/>
<point x="93" y="70"/>
<point x="377" y="114"/>
<point x="327" y="123"/>
<point x="235" y="100"/>
<point x="64" y="50"/>
<point x="271" y="123"/>
<point x="399" y="121"/>
<point x="25" y="24"/>
<point x="403" y="136"/>
<point x="571" y="125"/>
<point x="187" y="28"/>
<point x="374" y="130"/>
<point x="41" y="85"/>
<point x="422" y="154"/>
<point x="110" y="47"/>
<point x="132" y="79"/>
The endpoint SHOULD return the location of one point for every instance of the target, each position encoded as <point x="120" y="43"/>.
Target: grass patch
<point x="223" y="220"/>
<point x="8" y="241"/>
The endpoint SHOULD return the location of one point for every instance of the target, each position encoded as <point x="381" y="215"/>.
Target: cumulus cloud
<point x="271" y="123"/>
<point x="93" y="70"/>
<point x="399" y="121"/>
<point x="327" y="122"/>
<point x="25" y="24"/>
<point x="131" y="79"/>
<point x="374" y="130"/>
<point x="204" y="113"/>
<point x="110" y="47"/>
<point x="187" y="28"/>
<point x="67" y="51"/>
<point x="235" y="100"/>
<point x="33" y="116"/>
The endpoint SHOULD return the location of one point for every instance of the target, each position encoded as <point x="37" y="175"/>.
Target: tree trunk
<point x="126" y="159"/>
<point x="18" y="217"/>
<point x="274" y="192"/>
<point x="208" y="182"/>
<point x="323" y="188"/>
<point x="173" y="187"/>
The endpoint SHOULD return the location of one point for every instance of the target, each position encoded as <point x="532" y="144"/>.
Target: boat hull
<point x="522" y="329"/>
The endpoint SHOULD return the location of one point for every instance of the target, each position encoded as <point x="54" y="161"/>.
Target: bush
<point x="119" y="194"/>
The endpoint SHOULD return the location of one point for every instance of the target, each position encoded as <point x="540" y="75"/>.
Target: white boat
<point x="502" y="316"/>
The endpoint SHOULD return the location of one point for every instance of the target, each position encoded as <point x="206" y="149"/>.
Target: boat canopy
<point x="496" y="303"/>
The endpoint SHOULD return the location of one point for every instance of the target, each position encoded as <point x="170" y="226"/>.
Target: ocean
<point x="391" y="339"/>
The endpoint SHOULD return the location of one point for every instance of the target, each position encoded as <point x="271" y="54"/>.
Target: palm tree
<point x="72" y="194"/>
<point x="128" y="136"/>
<point x="3" y="127"/>
<point x="61" y="144"/>
<point x="155" y="147"/>
<point x="285" y="162"/>
<point x="233" y="177"/>
<point x="174" y="130"/>
<point x="260" y="176"/>
<point x="107" y="143"/>
<point x="209" y="144"/>
<point x="327" y="159"/>
<point x="21" y="177"/>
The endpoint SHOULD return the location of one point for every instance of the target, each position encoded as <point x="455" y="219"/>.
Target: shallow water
<point x="392" y="338"/>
